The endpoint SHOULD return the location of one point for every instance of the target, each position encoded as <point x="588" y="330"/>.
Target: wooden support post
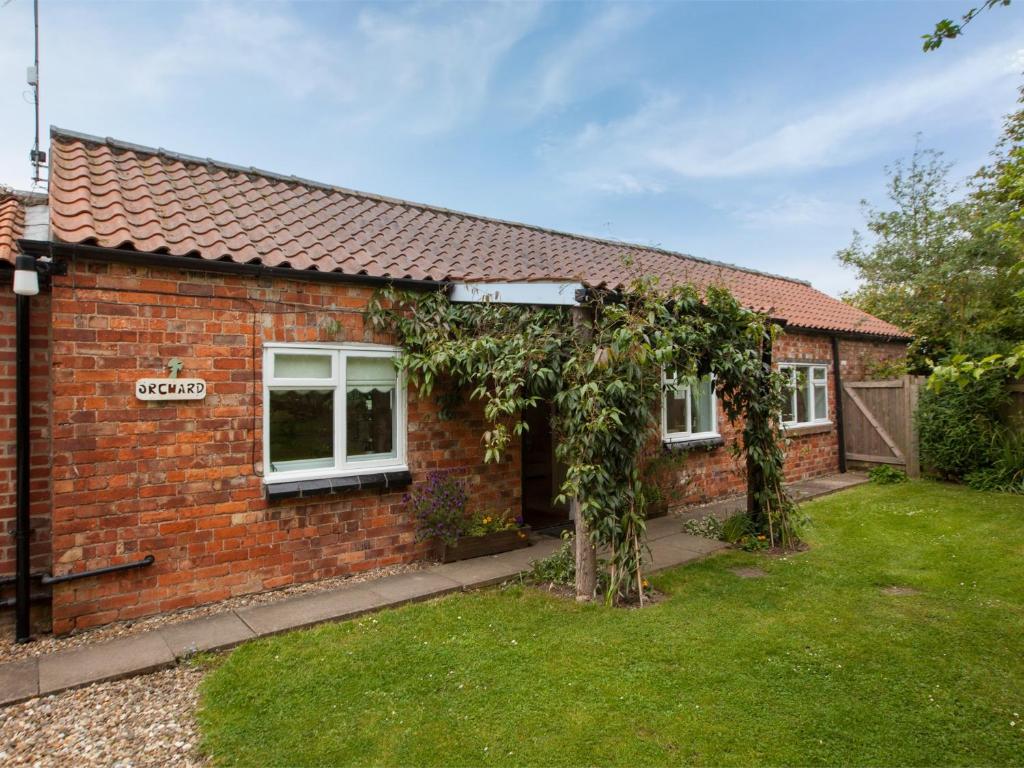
<point x="586" y="555"/>
<point x="911" y="388"/>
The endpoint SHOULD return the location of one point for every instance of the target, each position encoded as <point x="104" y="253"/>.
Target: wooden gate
<point x="878" y="422"/>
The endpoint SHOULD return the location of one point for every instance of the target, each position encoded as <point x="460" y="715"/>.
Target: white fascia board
<point x="546" y="293"/>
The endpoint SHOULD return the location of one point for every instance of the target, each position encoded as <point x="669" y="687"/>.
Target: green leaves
<point x="602" y="370"/>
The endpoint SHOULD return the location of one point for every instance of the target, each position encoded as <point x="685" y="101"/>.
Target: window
<point x="331" y="410"/>
<point x="806" y="400"/>
<point x="688" y="409"/>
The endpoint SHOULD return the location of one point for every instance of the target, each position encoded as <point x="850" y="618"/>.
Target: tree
<point x="947" y="29"/>
<point x="937" y="266"/>
<point x="999" y="189"/>
<point x="601" y="367"/>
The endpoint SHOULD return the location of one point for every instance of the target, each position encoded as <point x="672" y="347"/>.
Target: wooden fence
<point x="878" y="422"/>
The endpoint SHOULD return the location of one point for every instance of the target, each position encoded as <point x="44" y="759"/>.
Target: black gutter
<point x="840" y="426"/>
<point x="147" y="560"/>
<point x="23" y="519"/>
<point x="199" y="264"/>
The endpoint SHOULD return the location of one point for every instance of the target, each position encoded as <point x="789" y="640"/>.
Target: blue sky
<point x="743" y="132"/>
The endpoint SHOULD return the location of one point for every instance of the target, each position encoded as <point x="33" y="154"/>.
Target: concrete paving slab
<point x="134" y="655"/>
<point x="698" y="544"/>
<point x="210" y="633"/>
<point x="418" y="585"/>
<point x="299" y="612"/>
<point x="19" y="680"/>
<point x="677" y="550"/>
<point x="481" y="571"/>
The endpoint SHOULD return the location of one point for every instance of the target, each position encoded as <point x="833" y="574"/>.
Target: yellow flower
<point x="762" y="537"/>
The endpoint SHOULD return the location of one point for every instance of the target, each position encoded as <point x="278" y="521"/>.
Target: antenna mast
<point x="37" y="156"/>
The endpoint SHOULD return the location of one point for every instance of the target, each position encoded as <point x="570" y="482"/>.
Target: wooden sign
<point x="170" y="389"/>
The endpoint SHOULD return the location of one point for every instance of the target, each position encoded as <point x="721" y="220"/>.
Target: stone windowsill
<point x="304" y="489"/>
<point x="685" y="446"/>
<point x="809" y="429"/>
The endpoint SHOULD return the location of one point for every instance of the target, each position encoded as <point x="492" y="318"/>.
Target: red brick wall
<point x="182" y="481"/>
<point x="703" y="475"/>
<point x="39" y="382"/>
<point x="856" y="358"/>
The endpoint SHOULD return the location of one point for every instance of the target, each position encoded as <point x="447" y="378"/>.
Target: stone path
<point x="162" y="647"/>
<point x="805" y="489"/>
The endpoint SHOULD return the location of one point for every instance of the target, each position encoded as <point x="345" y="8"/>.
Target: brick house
<point x="290" y="465"/>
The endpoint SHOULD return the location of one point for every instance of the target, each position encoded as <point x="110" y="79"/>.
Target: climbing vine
<point x="601" y="365"/>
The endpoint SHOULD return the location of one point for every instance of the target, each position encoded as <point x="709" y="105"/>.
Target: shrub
<point x="887" y="475"/>
<point x="1006" y="472"/>
<point x="735" y="528"/>
<point x="958" y="424"/>
<point x="439" y="508"/>
<point x="709" y="527"/>
<point x="558" y="568"/>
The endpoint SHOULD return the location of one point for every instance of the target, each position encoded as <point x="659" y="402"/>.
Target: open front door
<point x="542" y="474"/>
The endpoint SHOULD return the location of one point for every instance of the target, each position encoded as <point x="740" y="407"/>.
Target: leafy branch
<point x="601" y="367"/>
<point x="947" y="29"/>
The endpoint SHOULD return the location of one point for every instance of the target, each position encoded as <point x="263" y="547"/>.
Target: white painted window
<point x="688" y="409"/>
<point x="331" y="410"/>
<point x="806" y="400"/>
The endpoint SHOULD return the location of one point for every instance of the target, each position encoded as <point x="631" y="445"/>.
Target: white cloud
<point x="669" y="139"/>
<point x="572" y="60"/>
<point x="795" y="210"/>
<point x="420" y="69"/>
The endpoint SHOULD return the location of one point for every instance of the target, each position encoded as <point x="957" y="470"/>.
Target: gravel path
<point x="141" y="721"/>
<point x="10" y="651"/>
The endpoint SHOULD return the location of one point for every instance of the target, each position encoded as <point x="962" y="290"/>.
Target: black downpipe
<point x="840" y="426"/>
<point x="23" y="520"/>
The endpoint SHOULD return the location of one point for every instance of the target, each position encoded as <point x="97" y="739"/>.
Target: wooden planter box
<point x="488" y="544"/>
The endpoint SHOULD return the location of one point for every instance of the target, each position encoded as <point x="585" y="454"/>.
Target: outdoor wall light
<point x="26" y="279"/>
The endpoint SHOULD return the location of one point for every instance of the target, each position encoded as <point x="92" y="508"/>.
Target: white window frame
<point x="343" y="466"/>
<point x="816" y="420"/>
<point x="670" y="386"/>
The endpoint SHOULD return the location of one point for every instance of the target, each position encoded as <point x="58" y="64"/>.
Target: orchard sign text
<point x="171" y="388"/>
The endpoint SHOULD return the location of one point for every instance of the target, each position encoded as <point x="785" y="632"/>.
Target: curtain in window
<point x="371" y="384"/>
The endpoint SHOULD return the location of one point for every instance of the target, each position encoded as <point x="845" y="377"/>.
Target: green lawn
<point x="813" y="664"/>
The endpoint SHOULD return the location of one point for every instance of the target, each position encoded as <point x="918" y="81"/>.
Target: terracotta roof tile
<point x="117" y="195"/>
<point x="12" y="222"/>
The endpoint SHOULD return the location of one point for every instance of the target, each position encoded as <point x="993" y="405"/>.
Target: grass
<point x="813" y="664"/>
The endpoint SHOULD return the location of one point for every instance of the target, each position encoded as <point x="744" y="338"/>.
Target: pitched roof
<point x="12" y="224"/>
<point x="12" y="219"/>
<point x="120" y="195"/>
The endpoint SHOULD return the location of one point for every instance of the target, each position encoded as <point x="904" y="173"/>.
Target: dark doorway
<point x="542" y="474"/>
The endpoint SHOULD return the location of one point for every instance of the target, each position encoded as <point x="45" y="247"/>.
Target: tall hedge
<point x="956" y="425"/>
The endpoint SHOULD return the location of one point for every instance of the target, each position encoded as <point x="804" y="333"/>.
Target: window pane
<point x="301" y="429"/>
<point x="802" y="404"/>
<point x="819" y="373"/>
<point x="370" y="424"/>
<point x="371" y="384"/>
<point x="820" y="401"/>
<point x="701" y="404"/>
<point x="289" y="366"/>
<point x="788" y="406"/>
<point x="675" y="410"/>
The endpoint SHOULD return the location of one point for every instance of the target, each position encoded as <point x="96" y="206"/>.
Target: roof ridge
<point x="253" y="171"/>
<point x="23" y="196"/>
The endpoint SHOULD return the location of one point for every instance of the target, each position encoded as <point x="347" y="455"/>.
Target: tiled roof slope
<point x="119" y="195"/>
<point x="12" y="223"/>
